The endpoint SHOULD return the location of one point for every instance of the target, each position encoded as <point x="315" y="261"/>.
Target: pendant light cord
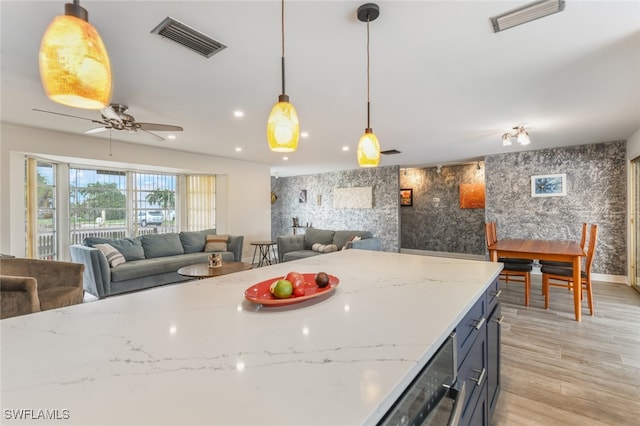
<point x="282" y="32"/>
<point x="368" y="84"/>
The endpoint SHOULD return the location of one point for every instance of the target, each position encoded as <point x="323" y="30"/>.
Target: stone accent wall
<point x="596" y="193"/>
<point x="382" y="219"/>
<point x="441" y="225"/>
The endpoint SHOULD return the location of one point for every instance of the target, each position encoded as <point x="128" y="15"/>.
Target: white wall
<point x="243" y="204"/>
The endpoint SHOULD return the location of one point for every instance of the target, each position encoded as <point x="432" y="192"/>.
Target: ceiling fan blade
<point x="159" y="127"/>
<point x="97" y="130"/>
<point x="72" y="116"/>
<point x="157" y="137"/>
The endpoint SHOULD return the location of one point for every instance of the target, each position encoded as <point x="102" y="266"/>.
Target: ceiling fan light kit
<point x="74" y="64"/>
<point x="368" y="145"/>
<point x="283" y="127"/>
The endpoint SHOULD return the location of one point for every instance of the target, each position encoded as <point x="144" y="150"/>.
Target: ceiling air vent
<point x="390" y="152"/>
<point x="527" y="13"/>
<point x="186" y="36"/>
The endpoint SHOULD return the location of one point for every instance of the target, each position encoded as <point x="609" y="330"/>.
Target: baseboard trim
<point x="443" y="254"/>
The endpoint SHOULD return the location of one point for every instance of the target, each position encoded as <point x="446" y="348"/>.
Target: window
<point x="154" y="202"/>
<point x="107" y="203"/>
<point x="97" y="204"/>
<point x="42" y="241"/>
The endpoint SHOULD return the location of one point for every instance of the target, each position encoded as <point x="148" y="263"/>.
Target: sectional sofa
<point x="149" y="260"/>
<point x="315" y="242"/>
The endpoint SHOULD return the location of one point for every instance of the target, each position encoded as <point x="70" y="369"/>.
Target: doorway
<point x="634" y="274"/>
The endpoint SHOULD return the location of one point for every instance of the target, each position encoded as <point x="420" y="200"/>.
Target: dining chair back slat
<point x="559" y="276"/>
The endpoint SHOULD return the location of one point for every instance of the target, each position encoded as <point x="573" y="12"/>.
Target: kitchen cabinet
<point x="479" y="357"/>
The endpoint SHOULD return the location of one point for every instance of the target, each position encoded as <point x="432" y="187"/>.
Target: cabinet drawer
<point x="471" y="326"/>
<point x="493" y="295"/>
<point x="474" y="374"/>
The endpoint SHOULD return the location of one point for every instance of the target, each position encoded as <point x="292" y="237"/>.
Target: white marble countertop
<point x="197" y="353"/>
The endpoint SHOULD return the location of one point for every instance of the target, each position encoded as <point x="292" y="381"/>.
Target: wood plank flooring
<point x="556" y="371"/>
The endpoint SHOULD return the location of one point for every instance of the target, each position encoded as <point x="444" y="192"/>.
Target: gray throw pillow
<point x="160" y="245"/>
<point x="130" y="248"/>
<point x="192" y="241"/>
<point x="321" y="236"/>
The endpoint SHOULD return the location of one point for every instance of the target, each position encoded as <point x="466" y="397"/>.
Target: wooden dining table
<point x="557" y="250"/>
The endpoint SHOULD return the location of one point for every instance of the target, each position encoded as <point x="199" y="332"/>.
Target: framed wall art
<point x="406" y="197"/>
<point x="549" y="185"/>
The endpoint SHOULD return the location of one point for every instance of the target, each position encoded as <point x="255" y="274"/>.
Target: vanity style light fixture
<point x="368" y="146"/>
<point x="74" y="65"/>
<point x="521" y="135"/>
<point x="283" y="128"/>
<point x="527" y="13"/>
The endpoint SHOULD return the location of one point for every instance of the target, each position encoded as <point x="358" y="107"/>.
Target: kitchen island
<point x="199" y="353"/>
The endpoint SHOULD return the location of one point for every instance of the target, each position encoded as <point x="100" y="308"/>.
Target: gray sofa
<point x="293" y="247"/>
<point x="151" y="260"/>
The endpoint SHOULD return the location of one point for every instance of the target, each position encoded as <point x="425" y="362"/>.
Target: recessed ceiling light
<point x="238" y="149"/>
<point x="172" y="137"/>
<point x="238" y="113"/>
<point x="285" y="158"/>
<point x="345" y="148"/>
<point x="304" y="135"/>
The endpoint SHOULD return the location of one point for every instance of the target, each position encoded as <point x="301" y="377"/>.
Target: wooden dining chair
<point x="514" y="270"/>
<point x="583" y="241"/>
<point x="559" y="276"/>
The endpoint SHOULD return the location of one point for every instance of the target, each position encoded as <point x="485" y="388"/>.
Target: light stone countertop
<point x="198" y="353"/>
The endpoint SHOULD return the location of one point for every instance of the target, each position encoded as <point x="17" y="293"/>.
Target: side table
<point x="266" y="251"/>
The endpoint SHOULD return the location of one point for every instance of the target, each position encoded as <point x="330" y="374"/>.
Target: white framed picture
<point x="549" y="185"/>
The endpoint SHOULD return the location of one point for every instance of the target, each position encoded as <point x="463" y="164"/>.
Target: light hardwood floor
<point x="556" y="371"/>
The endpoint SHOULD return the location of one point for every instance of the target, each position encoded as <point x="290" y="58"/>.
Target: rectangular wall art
<point x="549" y="185"/>
<point x="472" y="195"/>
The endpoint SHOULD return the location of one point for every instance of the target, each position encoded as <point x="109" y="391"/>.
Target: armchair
<point x="18" y="296"/>
<point x="57" y="284"/>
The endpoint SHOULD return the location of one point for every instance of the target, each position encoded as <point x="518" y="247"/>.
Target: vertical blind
<point x="201" y="202"/>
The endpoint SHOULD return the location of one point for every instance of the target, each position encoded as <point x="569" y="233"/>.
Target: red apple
<point x="297" y="281"/>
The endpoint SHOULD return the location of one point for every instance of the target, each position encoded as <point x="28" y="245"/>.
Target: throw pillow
<point x="324" y="248"/>
<point x="114" y="257"/>
<point x="351" y="240"/>
<point x="216" y="243"/>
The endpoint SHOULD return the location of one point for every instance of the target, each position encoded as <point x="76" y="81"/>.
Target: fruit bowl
<point x="259" y="293"/>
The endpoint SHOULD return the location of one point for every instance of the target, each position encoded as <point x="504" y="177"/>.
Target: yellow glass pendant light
<point x="368" y="146"/>
<point x="283" y="128"/>
<point x="74" y="65"/>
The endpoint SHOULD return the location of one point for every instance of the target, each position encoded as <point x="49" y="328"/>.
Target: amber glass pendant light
<point x="283" y="128"/>
<point x="368" y="146"/>
<point x="74" y="65"/>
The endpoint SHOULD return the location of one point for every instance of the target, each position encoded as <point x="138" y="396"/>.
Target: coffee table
<point x="202" y="270"/>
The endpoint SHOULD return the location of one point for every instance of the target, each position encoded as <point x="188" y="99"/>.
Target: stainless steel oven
<point x="431" y="399"/>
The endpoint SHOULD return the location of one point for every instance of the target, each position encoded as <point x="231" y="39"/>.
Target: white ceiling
<point x="444" y="86"/>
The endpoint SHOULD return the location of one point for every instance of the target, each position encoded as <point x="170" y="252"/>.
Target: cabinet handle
<point x="479" y="379"/>
<point x="499" y="320"/>
<point x="479" y="323"/>
<point x="497" y="293"/>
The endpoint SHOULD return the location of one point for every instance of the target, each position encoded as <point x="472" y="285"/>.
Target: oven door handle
<point x="456" y="414"/>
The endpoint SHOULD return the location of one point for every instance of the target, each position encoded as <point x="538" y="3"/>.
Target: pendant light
<point x="74" y="65"/>
<point x="368" y="146"/>
<point x="283" y="128"/>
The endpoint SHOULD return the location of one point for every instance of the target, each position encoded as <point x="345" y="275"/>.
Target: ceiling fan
<point x="115" y="117"/>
